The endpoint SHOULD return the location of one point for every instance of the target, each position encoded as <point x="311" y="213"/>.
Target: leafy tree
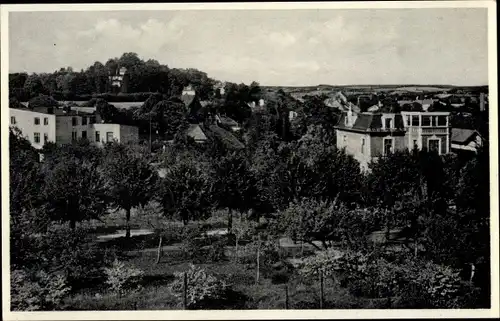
<point x="129" y="179"/>
<point x="42" y="101"/>
<point x="33" y="85"/>
<point x="233" y="183"/>
<point x="73" y="190"/>
<point x="186" y="191"/>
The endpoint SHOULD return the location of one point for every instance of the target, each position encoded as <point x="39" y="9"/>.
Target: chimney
<point x="481" y="102"/>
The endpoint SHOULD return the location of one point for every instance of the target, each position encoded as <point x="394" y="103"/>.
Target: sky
<point x="272" y="47"/>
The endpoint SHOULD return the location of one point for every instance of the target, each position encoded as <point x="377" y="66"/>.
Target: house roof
<point x="421" y="102"/>
<point x="368" y="122"/>
<point x="56" y="111"/>
<point x="228" y="121"/>
<point x="196" y="132"/>
<point x="462" y="135"/>
<point x="229" y="139"/>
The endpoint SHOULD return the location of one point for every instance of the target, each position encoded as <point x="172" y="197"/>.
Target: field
<point x="140" y="251"/>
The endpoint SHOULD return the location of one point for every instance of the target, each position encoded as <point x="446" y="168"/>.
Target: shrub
<point x="42" y="101"/>
<point x="204" y="290"/>
<point x="38" y="292"/>
<point x="72" y="251"/>
<point x="123" y="279"/>
<point x="216" y="250"/>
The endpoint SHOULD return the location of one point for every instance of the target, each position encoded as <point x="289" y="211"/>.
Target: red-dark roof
<point x="462" y="135"/>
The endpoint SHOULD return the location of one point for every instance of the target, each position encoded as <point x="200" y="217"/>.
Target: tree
<point x="73" y="191"/>
<point x="33" y="85"/>
<point x="129" y="179"/>
<point x="309" y="220"/>
<point x="170" y="115"/>
<point x="233" y="183"/>
<point x="42" y="101"/>
<point x="186" y="191"/>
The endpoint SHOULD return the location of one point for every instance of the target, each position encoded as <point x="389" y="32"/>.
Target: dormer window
<point x="388" y="123"/>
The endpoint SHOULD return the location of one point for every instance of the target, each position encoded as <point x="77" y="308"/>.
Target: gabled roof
<point x="228" y="121"/>
<point x="229" y="139"/>
<point x="187" y="99"/>
<point x="462" y="135"/>
<point x="196" y="132"/>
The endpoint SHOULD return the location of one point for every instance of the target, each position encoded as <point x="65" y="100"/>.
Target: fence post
<point x="184" y="290"/>
<point x="321" y="293"/>
<point x="258" y="261"/>
<point x="286" y="297"/>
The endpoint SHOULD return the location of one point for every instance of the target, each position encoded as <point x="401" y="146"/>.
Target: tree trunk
<point x="158" y="255"/>
<point x="127" y="223"/>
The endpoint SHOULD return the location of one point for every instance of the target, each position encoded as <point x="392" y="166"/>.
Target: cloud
<point x="279" y="47"/>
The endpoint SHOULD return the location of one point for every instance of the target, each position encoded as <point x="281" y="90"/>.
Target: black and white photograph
<point x="324" y="160"/>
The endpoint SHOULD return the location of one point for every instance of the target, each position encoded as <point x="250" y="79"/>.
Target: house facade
<point x="369" y="136"/>
<point x="45" y="125"/>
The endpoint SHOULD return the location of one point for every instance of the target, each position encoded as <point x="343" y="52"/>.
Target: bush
<point x="42" y="101"/>
<point x="38" y="292"/>
<point x="72" y="251"/>
<point x="123" y="279"/>
<point x="216" y="250"/>
<point x="204" y="290"/>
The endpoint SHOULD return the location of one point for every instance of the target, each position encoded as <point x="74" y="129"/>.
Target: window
<point x="45" y="137"/>
<point x="387" y="146"/>
<point x="74" y="136"/>
<point x="84" y="134"/>
<point x="415" y="145"/>
<point x="434" y="145"/>
<point x="426" y="121"/>
<point x="84" y="120"/>
<point x="388" y="122"/>
<point x="37" y="138"/>
<point x="13" y="120"/>
<point x="97" y="136"/>
<point x="441" y="121"/>
<point x="45" y="120"/>
<point x="74" y="121"/>
<point x="408" y="121"/>
<point x="37" y="121"/>
<point x="415" y="120"/>
<point x="362" y="145"/>
<point x="109" y="137"/>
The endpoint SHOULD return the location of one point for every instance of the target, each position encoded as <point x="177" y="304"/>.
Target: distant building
<point x="369" y="136"/>
<point x="465" y="140"/>
<point x="63" y="127"/>
<point x="192" y="103"/>
<point x="119" y="80"/>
